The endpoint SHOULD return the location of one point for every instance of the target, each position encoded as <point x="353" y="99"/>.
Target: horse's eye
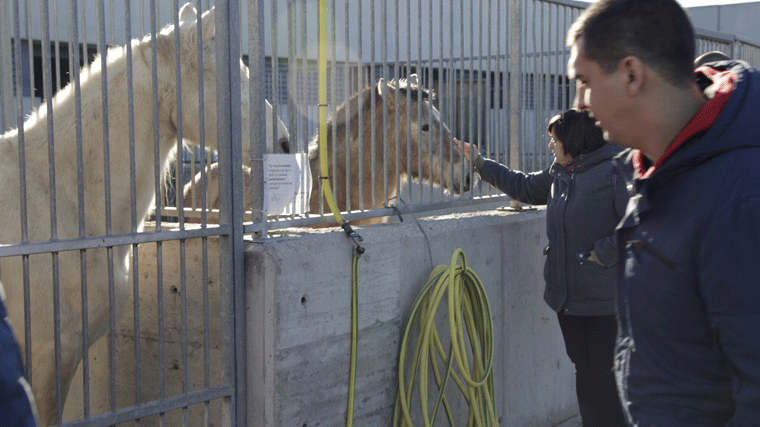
<point x="425" y="127"/>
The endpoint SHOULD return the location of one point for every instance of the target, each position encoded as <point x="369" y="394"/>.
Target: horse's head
<point x="199" y="55"/>
<point x="430" y="137"/>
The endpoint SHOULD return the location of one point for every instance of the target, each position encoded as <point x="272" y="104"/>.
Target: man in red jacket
<point x="688" y="297"/>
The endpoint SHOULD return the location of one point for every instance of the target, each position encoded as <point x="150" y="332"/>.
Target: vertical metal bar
<point x="483" y="104"/>
<point x="448" y="86"/>
<point x="488" y="96"/>
<point x="558" y="46"/>
<point x="397" y="136"/>
<point x="463" y="131"/>
<point x="348" y="91"/>
<point x="429" y="106"/>
<point x="204" y="241"/>
<point x="473" y="80"/>
<point x="231" y="212"/>
<point x="534" y="90"/>
<point x="7" y="119"/>
<point x="408" y="100"/>
<point x="113" y="24"/>
<point x="57" y="44"/>
<point x="85" y="47"/>
<point x="133" y="191"/>
<point x="544" y="97"/>
<point x="102" y="48"/>
<point x="275" y="65"/>
<point x="421" y="79"/>
<point x="515" y="83"/>
<point x="499" y="95"/>
<point x="47" y="79"/>
<point x="75" y="83"/>
<point x="48" y="94"/>
<point x="333" y="90"/>
<point x="157" y="191"/>
<point x="257" y="138"/>
<point x="179" y="201"/>
<point x="22" y="189"/>
<point x="360" y="103"/>
<point x="330" y="83"/>
<point x="30" y="55"/>
<point x="373" y="103"/>
<point x="384" y="54"/>
<point x="304" y="131"/>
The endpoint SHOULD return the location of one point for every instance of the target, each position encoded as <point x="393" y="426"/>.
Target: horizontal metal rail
<point x="156" y="407"/>
<point x="431" y="208"/>
<point x="54" y="246"/>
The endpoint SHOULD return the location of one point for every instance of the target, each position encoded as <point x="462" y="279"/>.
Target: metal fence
<point x="128" y="313"/>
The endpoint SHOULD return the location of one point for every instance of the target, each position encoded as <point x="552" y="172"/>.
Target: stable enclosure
<point x="150" y="280"/>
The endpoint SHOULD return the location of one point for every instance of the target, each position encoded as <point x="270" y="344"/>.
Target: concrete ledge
<point x="299" y="289"/>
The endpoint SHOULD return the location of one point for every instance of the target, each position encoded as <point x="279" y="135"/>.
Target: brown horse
<point x="429" y="139"/>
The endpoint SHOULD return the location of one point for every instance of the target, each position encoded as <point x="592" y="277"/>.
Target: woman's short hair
<point x="577" y="131"/>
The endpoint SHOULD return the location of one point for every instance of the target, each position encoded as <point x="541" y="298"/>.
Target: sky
<point x="695" y="3"/>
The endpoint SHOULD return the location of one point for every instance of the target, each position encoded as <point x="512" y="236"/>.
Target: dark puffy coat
<point x="16" y="408"/>
<point x="688" y="351"/>
<point x="583" y="208"/>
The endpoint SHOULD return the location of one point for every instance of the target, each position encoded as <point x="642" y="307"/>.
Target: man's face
<point x="602" y="94"/>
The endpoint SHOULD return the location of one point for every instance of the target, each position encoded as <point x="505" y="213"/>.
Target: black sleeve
<point x="533" y="188"/>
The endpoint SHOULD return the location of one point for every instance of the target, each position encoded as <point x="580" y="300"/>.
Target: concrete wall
<point x="299" y="319"/>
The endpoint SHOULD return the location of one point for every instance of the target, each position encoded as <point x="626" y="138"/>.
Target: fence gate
<point x="125" y="317"/>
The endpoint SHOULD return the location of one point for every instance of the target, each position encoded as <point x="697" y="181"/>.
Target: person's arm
<point x="729" y="277"/>
<point x="533" y="188"/>
<point x="605" y="249"/>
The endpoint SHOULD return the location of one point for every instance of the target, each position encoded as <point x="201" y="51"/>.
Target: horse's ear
<point x="187" y="13"/>
<point x="381" y="86"/>
<point x="209" y="23"/>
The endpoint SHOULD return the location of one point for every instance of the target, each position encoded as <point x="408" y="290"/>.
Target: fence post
<point x="515" y="83"/>
<point x="229" y="138"/>
<point x="258" y="127"/>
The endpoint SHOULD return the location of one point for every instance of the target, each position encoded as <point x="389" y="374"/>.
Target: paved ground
<point x="572" y="422"/>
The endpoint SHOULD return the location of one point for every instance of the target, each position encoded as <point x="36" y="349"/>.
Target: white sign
<point x="287" y="184"/>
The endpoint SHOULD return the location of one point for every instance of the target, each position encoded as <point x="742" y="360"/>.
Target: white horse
<point x="192" y="192"/>
<point x="41" y="272"/>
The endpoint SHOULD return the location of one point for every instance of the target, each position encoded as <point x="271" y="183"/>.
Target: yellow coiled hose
<point x="469" y="315"/>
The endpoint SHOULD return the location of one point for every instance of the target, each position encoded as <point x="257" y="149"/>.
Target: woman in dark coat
<point x="585" y="198"/>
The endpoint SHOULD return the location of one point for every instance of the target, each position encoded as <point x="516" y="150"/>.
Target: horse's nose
<point x="466" y="186"/>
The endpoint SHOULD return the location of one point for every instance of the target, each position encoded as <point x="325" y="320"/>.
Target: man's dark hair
<point x="658" y="32"/>
<point x="577" y="131"/>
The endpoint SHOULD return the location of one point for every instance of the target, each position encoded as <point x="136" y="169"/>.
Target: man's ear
<point x="633" y="69"/>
